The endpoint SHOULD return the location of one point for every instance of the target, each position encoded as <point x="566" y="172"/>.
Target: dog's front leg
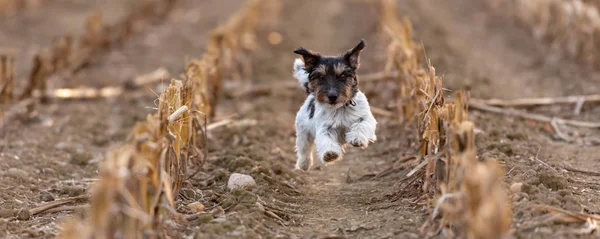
<point x="362" y="131"/>
<point x="328" y="147"/>
<point x="304" y="149"/>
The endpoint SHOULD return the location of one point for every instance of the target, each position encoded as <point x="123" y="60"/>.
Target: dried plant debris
<point x="13" y="6"/>
<point x="139" y="181"/>
<point x="7" y="77"/>
<point x="230" y="45"/>
<point x="572" y="26"/>
<point x="470" y="196"/>
<point x="67" y="55"/>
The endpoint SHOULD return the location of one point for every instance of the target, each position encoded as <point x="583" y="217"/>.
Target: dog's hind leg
<point x="304" y="149"/>
<point x="328" y="147"/>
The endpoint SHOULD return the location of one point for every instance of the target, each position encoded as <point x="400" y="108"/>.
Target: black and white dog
<point x="335" y="112"/>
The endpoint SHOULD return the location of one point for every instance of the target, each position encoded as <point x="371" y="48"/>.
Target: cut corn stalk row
<point x="571" y="26"/>
<point x="140" y="181"/>
<point x="469" y="197"/>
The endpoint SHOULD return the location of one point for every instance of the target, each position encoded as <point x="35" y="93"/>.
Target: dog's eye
<point x="346" y="75"/>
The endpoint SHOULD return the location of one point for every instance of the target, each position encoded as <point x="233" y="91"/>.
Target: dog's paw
<point x="357" y="144"/>
<point x="303" y="165"/>
<point x="357" y="140"/>
<point x="372" y="139"/>
<point x="331" y="157"/>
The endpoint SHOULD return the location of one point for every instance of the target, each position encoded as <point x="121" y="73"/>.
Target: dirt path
<point x="57" y="154"/>
<point x="486" y="54"/>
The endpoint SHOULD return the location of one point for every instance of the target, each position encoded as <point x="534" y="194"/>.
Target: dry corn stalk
<point x="201" y="73"/>
<point x="403" y="56"/>
<point x="158" y="150"/>
<point x="471" y="197"/>
<point x="572" y="26"/>
<point x="66" y="57"/>
<point x="12" y="6"/>
<point x="7" y="78"/>
<point x="480" y="207"/>
<point x="231" y="43"/>
<point x="139" y="181"/>
<point x="227" y="44"/>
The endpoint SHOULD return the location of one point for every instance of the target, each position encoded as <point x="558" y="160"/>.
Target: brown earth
<point x="55" y="155"/>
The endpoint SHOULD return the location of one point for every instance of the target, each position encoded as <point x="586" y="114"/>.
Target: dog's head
<point x="332" y="78"/>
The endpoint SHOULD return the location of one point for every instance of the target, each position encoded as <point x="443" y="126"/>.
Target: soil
<point x="56" y="154"/>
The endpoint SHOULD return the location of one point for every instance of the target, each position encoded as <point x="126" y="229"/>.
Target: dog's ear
<point x="311" y="59"/>
<point x="352" y="57"/>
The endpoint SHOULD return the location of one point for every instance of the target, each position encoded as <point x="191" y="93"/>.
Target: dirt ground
<point x="56" y="154"/>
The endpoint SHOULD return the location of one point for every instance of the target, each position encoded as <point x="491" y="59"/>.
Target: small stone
<point x="23" y="215"/>
<point x="237" y="180"/>
<point x="18" y="173"/>
<point x="516" y="187"/>
<point x="196" y="206"/>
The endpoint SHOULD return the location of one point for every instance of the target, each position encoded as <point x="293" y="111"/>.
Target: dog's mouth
<point x="332" y="101"/>
<point x="334" y="104"/>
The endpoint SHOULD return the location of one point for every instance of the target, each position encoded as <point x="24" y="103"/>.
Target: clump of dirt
<point x="505" y="148"/>
<point x="69" y="191"/>
<point x="551" y="180"/>
<point x="81" y="158"/>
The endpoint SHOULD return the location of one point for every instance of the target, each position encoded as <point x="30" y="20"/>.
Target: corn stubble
<point x="139" y="182"/>
<point x="571" y="26"/>
<point x="67" y="55"/>
<point x="13" y="6"/>
<point x="230" y="44"/>
<point x="470" y="199"/>
<point x="7" y="78"/>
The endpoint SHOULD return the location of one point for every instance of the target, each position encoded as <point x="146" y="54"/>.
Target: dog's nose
<point x="332" y="97"/>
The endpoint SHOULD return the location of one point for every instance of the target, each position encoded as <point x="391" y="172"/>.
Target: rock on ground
<point x="238" y="180"/>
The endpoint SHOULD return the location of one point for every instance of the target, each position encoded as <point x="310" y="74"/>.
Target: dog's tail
<point x="300" y="74"/>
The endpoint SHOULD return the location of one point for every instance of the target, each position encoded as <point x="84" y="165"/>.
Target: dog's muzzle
<point x="332" y="96"/>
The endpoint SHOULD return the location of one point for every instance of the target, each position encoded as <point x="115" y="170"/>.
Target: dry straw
<point x="229" y="46"/>
<point x="473" y="204"/>
<point x="139" y="182"/>
<point x="66" y="56"/>
<point x="572" y="26"/>
<point x="7" y="78"/>
<point x="13" y="6"/>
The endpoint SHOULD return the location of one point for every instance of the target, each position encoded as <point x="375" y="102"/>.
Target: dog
<point x="335" y="113"/>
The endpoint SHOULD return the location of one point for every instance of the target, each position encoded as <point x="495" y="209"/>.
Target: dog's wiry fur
<point x="335" y="112"/>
